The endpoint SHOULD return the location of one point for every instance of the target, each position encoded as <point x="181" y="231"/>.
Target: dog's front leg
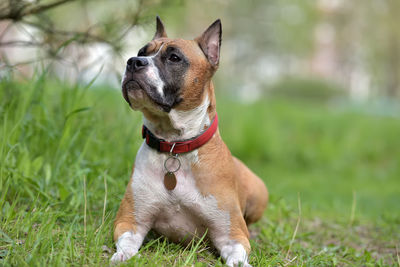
<point x="128" y="233"/>
<point x="128" y="245"/>
<point x="234" y="247"/>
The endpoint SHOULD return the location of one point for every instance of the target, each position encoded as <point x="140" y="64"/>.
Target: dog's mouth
<point x="134" y="85"/>
<point x="128" y="86"/>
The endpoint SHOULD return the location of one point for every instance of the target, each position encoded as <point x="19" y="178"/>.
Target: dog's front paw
<point x="127" y="246"/>
<point x="235" y="255"/>
<point x="233" y="262"/>
<point x="123" y="255"/>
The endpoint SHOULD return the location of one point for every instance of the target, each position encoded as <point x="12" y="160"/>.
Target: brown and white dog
<point x="213" y="192"/>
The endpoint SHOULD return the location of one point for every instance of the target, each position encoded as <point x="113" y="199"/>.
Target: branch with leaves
<point x="47" y="36"/>
<point x="18" y="9"/>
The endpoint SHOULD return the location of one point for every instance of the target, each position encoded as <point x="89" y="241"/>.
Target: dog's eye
<point x="142" y="52"/>
<point x="174" y="58"/>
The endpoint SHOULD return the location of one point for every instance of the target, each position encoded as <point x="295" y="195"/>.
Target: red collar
<point x="180" y="146"/>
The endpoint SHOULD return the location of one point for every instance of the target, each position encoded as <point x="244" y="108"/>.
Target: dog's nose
<point x="137" y="63"/>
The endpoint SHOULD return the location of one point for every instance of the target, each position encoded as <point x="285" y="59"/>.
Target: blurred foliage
<point x="306" y="89"/>
<point x="274" y="26"/>
<point x="369" y="30"/>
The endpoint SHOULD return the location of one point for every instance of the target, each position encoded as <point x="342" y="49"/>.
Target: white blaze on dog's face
<point x="172" y="73"/>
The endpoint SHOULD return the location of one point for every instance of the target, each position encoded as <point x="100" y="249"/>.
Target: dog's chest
<point x="179" y="213"/>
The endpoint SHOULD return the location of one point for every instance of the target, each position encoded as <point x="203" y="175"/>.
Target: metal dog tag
<point x="169" y="176"/>
<point x="169" y="180"/>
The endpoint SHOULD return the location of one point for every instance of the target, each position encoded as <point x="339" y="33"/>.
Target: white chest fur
<point x="179" y="213"/>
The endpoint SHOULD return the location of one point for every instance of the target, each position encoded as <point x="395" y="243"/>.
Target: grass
<point x="66" y="154"/>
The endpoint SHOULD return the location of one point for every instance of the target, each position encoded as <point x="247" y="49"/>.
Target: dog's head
<point x="172" y="73"/>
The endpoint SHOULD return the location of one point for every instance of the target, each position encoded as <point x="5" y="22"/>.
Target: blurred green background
<point x="307" y="96"/>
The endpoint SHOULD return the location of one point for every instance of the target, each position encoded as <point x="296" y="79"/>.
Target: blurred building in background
<point x="351" y="46"/>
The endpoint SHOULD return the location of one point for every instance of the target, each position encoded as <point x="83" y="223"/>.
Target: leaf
<point x="76" y="111"/>
<point x="47" y="173"/>
<point x="37" y="164"/>
<point x="63" y="192"/>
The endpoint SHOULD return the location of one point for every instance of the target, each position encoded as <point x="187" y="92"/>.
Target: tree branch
<point x="79" y="35"/>
<point x="20" y="43"/>
<point x="17" y="13"/>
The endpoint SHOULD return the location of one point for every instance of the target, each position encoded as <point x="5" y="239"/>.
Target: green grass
<point x="66" y="154"/>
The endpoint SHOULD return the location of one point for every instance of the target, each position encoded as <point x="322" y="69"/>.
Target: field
<point x="66" y="152"/>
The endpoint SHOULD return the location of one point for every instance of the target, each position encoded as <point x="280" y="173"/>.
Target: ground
<point x="66" y="152"/>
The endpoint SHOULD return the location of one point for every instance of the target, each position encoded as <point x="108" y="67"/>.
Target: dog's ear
<point x="210" y="42"/>
<point x="160" y="32"/>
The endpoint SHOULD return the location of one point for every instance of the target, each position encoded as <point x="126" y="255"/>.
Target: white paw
<point x="237" y="262"/>
<point x="127" y="246"/>
<point x="235" y="255"/>
<point x="123" y="255"/>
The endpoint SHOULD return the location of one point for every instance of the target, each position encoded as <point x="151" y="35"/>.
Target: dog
<point x="185" y="182"/>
